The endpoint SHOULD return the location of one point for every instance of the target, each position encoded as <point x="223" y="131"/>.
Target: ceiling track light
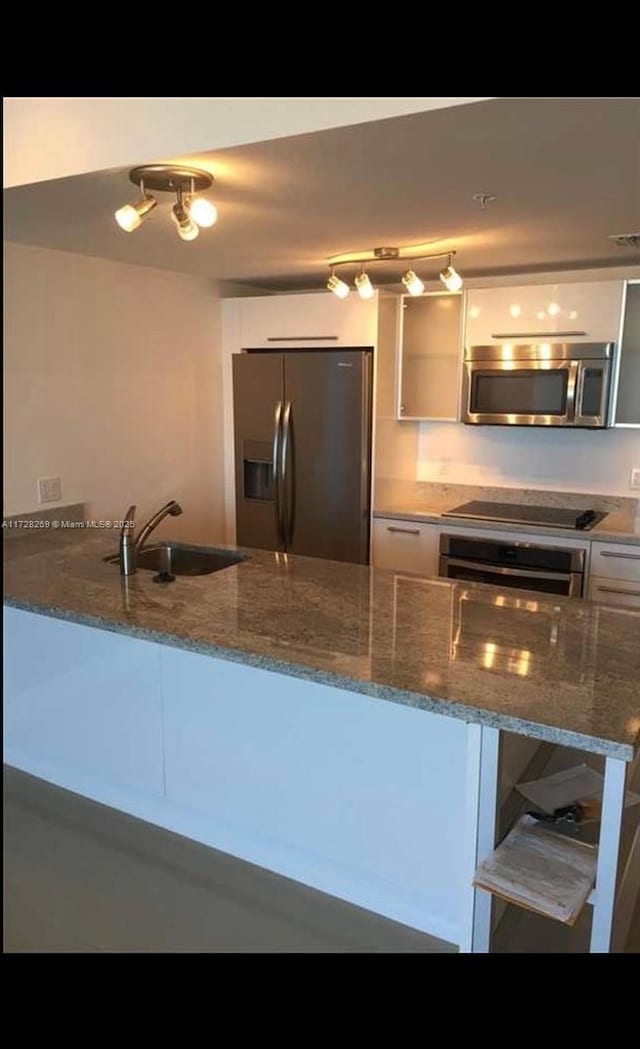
<point x="190" y="212"/>
<point x="181" y="215"/>
<point x="130" y="216"/>
<point x="337" y="286"/>
<point x="364" y="285"/>
<point x="451" y="278"/>
<point x="412" y="282"/>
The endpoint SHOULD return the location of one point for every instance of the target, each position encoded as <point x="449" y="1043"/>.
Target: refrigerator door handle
<point x="288" y="480"/>
<point x="277" y="486"/>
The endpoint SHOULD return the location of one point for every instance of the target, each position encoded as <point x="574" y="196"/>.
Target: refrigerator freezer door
<point x="257" y="408"/>
<point x="326" y="454"/>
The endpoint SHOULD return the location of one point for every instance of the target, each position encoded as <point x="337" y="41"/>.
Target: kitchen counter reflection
<point x="555" y="669"/>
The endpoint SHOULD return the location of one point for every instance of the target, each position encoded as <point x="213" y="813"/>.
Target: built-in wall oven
<point x="521" y="565"/>
<point x="537" y="384"/>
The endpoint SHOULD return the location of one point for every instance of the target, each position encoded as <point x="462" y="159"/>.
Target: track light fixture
<point x="131" y="215"/>
<point x="412" y="282"/>
<point x="187" y="228"/>
<point x="337" y="286"/>
<point x="451" y="278"/>
<point x="364" y="285"/>
<point x="189" y="211"/>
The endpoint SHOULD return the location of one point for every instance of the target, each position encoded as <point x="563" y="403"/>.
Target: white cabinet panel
<point x="83" y="701"/>
<point x="614" y="592"/>
<point x="320" y="784"/>
<point x="589" y="312"/>
<point x="314" y="321"/>
<point x="405" y="546"/>
<point x="616" y="561"/>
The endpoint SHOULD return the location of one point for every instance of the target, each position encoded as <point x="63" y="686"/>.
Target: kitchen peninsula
<point x="335" y="723"/>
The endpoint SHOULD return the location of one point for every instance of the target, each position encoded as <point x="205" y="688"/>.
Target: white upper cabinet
<point x="626" y="411"/>
<point x="278" y="322"/>
<point x="589" y="312"/>
<point x="430" y="355"/>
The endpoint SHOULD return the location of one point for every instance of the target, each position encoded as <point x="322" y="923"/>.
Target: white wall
<point x="47" y="138"/>
<point x="562" y="460"/>
<point x="113" y="383"/>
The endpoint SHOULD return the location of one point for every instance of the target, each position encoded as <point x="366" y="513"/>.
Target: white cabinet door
<point x="616" y="561"/>
<point x="589" y="312"/>
<point x="405" y="546"/>
<point x="627" y="378"/>
<point x="430" y="355"/>
<point x="614" y="592"/>
<point x="319" y="320"/>
<point x="81" y="705"/>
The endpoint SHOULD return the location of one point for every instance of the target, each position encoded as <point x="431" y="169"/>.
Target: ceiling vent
<point x="626" y="240"/>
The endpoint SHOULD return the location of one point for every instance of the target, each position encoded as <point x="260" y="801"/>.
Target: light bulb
<point x="412" y="283"/>
<point x="338" y="287"/>
<point x="188" y="231"/>
<point x="364" y="286"/>
<point x="187" y="228"/>
<point x="451" y="279"/>
<point x="130" y="217"/>
<point x="203" y="212"/>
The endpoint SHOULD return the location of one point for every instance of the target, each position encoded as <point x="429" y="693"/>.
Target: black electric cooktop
<point x="511" y="513"/>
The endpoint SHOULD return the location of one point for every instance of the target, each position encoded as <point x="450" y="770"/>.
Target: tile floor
<point x="81" y="877"/>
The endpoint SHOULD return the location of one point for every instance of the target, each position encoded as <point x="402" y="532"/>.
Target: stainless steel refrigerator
<point x="303" y="451"/>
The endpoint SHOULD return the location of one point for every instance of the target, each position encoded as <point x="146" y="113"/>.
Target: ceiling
<point x="565" y="174"/>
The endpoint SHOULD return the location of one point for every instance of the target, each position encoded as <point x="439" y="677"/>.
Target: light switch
<point x="49" y="489"/>
<point x="634" y="480"/>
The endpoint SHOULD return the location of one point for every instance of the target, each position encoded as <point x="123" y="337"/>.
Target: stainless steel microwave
<point x="539" y="384"/>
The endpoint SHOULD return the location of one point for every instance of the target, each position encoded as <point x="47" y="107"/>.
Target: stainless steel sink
<point x="179" y="559"/>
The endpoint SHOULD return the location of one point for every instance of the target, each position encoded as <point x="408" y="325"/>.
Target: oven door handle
<point x="529" y="573"/>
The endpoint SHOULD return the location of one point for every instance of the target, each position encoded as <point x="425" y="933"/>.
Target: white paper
<point x="579" y="783"/>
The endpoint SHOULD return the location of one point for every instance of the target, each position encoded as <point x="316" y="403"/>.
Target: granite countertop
<point x="619" y="526"/>
<point x="555" y="669"/>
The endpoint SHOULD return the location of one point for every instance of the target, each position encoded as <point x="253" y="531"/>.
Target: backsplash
<point x="17" y="526"/>
<point x="544" y="458"/>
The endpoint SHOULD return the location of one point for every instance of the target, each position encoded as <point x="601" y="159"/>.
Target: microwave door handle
<point x="579" y="400"/>
<point x="574" y="391"/>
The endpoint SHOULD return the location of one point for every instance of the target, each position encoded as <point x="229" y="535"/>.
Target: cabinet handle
<point x="405" y="531"/>
<point x="618" y="590"/>
<point x="302" y="338"/>
<point x="532" y="334"/>
<point x="614" y="553"/>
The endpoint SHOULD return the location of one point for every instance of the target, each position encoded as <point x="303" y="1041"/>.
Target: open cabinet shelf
<point x="520" y="926"/>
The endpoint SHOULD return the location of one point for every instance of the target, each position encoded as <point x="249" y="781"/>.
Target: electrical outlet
<point x="445" y="467"/>
<point x="49" y="489"/>
<point x="634" y="480"/>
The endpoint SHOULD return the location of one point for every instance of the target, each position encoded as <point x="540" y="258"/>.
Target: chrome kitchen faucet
<point x="130" y="546"/>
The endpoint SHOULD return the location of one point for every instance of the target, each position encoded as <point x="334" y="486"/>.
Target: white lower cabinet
<point x="614" y="591"/>
<point x="615" y="574"/>
<point x="83" y="707"/>
<point x="405" y="546"/>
